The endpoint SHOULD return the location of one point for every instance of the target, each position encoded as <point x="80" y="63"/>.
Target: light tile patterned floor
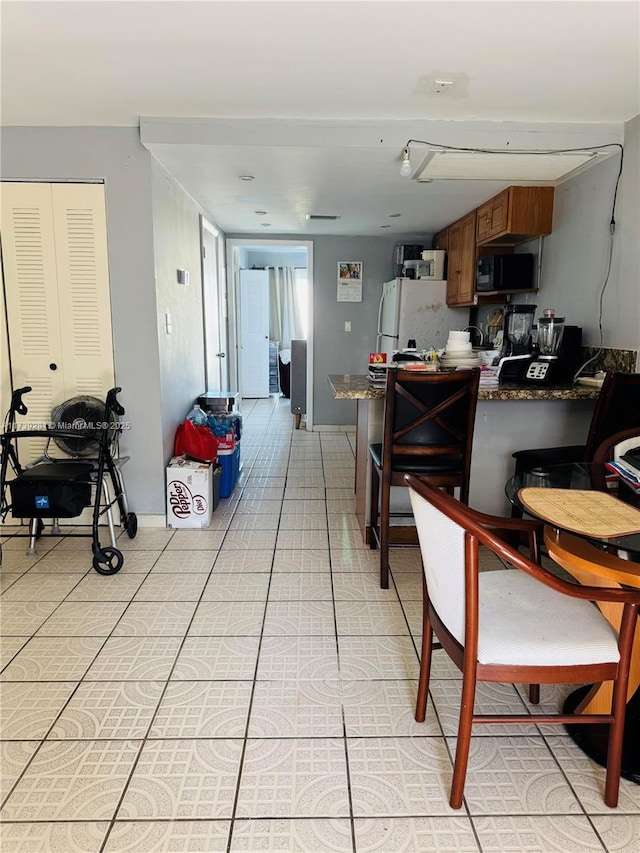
<point x="251" y="688"/>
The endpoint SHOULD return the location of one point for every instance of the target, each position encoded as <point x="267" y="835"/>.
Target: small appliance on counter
<point x="559" y="352"/>
<point x="516" y="349"/>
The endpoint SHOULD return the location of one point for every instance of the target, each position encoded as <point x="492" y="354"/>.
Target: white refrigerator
<point x="413" y="309"/>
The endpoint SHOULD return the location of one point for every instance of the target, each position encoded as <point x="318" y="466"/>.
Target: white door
<point x="254" y="333"/>
<point x="56" y="285"/>
<point x="214" y="299"/>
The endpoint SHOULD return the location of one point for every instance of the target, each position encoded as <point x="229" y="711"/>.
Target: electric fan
<point x="86" y="415"/>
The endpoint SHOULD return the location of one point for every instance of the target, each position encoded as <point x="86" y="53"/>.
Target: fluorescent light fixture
<point x="516" y="166"/>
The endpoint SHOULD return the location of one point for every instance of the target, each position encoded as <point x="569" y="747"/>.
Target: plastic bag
<point x="196" y="442"/>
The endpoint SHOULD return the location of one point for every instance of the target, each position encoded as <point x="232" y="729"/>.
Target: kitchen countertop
<point x="357" y="386"/>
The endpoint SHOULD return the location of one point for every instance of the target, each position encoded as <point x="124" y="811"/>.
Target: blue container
<point x="230" y="461"/>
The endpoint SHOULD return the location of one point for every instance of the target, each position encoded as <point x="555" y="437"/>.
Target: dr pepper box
<point x="189" y="493"/>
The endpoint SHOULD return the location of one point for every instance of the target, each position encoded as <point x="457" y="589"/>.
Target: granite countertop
<point x="357" y="386"/>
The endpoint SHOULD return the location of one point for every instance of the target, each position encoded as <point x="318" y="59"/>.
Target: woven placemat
<point x="590" y="513"/>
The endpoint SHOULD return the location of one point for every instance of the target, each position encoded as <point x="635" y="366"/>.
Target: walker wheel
<point x="131" y="525"/>
<point x="107" y="561"/>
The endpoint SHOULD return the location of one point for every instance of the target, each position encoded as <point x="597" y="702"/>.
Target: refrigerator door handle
<point x="379" y="332"/>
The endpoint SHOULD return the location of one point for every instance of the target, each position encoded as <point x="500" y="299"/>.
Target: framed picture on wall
<point x="349" y="281"/>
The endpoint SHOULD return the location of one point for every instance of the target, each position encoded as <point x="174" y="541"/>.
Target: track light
<point x="405" y="168"/>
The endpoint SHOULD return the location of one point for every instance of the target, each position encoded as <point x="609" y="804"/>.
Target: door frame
<point x="222" y="307"/>
<point x="233" y="268"/>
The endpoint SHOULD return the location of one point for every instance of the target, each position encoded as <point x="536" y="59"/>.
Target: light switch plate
<point x="347" y="325"/>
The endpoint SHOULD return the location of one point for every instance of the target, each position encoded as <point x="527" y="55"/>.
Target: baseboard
<point x="144" y="520"/>
<point x="334" y="428"/>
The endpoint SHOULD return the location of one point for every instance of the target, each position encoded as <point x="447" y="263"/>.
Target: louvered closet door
<point x="57" y="293"/>
<point x="31" y="292"/>
<point x="83" y="288"/>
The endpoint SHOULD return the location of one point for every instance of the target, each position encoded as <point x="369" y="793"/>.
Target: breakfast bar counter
<point x="357" y="386"/>
<point x="508" y="418"/>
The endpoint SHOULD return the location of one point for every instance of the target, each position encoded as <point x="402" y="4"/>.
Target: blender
<point x="544" y="369"/>
<point x="516" y="351"/>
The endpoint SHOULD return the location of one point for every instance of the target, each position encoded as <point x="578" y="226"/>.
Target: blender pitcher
<point x="550" y="332"/>
<point x="518" y="321"/>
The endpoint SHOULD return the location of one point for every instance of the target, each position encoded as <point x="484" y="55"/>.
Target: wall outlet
<point x="347" y="325"/>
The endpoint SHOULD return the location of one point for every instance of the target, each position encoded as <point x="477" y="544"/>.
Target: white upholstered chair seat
<point x="523" y="622"/>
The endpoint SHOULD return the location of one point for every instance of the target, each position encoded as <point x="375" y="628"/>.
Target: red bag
<point x="196" y="442"/>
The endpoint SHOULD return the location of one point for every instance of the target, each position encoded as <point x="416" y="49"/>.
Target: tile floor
<point x="250" y="688"/>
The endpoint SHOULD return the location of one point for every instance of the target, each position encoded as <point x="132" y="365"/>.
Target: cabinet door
<point x="467" y="282"/>
<point x="454" y="263"/>
<point x="441" y="241"/>
<point x="492" y="217"/>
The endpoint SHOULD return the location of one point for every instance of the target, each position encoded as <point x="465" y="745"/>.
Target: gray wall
<point x="176" y="231"/>
<point x="575" y="254"/>
<point x="116" y="156"/>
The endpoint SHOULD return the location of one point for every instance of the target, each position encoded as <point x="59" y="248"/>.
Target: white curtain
<point x="284" y="307"/>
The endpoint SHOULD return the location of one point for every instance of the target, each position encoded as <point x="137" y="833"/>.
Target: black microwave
<point x="505" y="272"/>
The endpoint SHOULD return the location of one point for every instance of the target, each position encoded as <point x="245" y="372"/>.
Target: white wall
<point x="575" y="254"/>
<point x="176" y="231"/>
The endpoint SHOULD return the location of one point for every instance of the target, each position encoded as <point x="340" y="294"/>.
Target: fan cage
<point x="87" y="415"/>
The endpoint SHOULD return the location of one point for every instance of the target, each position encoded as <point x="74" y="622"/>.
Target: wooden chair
<point x="428" y="430"/>
<point x="604" y="453"/>
<point x="520" y="625"/>
<point x="617" y="408"/>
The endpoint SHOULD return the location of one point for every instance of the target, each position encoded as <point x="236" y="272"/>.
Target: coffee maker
<point x="558" y="352"/>
<point x="517" y="338"/>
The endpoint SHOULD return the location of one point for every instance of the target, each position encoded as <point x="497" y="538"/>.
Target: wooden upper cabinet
<point x="514" y="216"/>
<point x="462" y="260"/>
<point x="441" y="240"/>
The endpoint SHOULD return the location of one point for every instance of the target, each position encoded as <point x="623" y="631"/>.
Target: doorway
<point x="276" y="260"/>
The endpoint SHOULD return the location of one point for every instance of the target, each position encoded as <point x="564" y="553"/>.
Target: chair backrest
<point x="430" y="414"/>
<point x="604" y="452"/>
<point x="617" y="409"/>
<point x="442" y="545"/>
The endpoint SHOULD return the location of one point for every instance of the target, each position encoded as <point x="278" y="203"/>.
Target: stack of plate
<point x="458" y="351"/>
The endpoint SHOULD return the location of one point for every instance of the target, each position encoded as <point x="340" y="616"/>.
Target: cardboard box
<point x="189" y="493"/>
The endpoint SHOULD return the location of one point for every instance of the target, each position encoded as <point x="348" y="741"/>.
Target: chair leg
<point x="385" y="508"/>
<point x="534" y="694"/>
<point x="374" y="497"/>
<point x="464" y="736"/>
<point x="618" y="706"/>
<point x="425" y="658"/>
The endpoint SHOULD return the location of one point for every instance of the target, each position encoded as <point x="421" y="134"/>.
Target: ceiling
<point x="316" y="100"/>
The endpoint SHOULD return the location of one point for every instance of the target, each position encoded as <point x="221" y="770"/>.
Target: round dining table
<point x="597" y="561"/>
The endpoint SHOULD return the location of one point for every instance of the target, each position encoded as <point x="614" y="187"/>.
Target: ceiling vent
<point x="481" y="166"/>
<point x="322" y="217"/>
